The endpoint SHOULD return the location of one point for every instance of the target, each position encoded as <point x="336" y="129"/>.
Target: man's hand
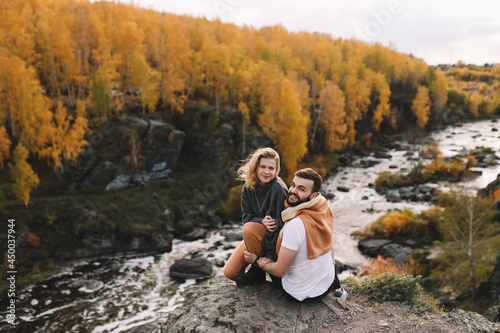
<point x="263" y="261"/>
<point x="269" y="223"/>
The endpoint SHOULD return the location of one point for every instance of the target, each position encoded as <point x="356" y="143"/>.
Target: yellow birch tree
<point x="439" y="92"/>
<point x="143" y="79"/>
<point x="284" y="122"/>
<point x="332" y="117"/>
<point x="5" y="144"/>
<point x="24" y="178"/>
<point x="357" y="97"/>
<point x="421" y="106"/>
<point x="383" y="109"/>
<point x="65" y="139"/>
<point x="474" y="102"/>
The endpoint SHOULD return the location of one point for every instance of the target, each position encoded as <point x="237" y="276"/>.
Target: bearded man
<point x="305" y="246"/>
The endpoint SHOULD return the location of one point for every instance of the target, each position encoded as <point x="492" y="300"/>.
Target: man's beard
<point x="298" y="202"/>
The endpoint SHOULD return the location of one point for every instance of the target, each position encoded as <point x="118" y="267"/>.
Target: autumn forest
<point x="67" y="65"/>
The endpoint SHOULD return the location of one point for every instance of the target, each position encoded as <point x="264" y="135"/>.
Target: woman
<point x="262" y="200"/>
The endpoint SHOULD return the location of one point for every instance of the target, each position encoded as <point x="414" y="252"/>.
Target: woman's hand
<point x="249" y="257"/>
<point x="269" y="223"/>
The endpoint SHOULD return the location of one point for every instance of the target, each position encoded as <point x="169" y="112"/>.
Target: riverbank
<point x="145" y="282"/>
<point x="359" y="204"/>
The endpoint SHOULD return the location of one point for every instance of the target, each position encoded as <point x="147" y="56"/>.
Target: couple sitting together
<point x="286" y="233"/>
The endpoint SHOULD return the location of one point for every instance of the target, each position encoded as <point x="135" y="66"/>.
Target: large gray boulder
<point x="399" y="253"/>
<point x="197" y="268"/>
<point x="162" y="146"/>
<point x="372" y="247"/>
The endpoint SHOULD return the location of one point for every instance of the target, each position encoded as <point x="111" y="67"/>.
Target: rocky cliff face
<point x="126" y="151"/>
<point x="220" y="306"/>
<point x="493" y="313"/>
<point x="99" y="236"/>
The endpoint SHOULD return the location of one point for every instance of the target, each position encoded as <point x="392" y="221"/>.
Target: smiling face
<point x="266" y="170"/>
<point x="300" y="191"/>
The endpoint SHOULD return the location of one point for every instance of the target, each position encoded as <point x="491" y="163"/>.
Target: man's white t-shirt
<point x="305" y="278"/>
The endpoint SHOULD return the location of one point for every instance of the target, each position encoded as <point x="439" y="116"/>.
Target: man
<point x="305" y="255"/>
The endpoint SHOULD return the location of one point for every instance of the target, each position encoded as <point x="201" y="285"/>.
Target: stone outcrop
<point x="387" y="249"/>
<point x="372" y="247"/>
<point x="414" y="193"/>
<point x="491" y="187"/>
<point x="126" y="151"/>
<point x="493" y="313"/>
<point x="97" y="235"/>
<point x="220" y="306"/>
<point x="197" y="268"/>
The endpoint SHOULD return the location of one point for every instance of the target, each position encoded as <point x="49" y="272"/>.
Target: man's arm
<point x="279" y="268"/>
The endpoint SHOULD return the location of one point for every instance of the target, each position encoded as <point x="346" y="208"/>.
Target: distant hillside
<point x="69" y="65"/>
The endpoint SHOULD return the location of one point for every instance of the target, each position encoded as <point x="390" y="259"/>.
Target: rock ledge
<point x="220" y="306"/>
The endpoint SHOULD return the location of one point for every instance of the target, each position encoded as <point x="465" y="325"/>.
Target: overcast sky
<point x="439" y="31"/>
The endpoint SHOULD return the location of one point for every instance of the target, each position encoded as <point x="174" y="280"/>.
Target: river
<point x="126" y="293"/>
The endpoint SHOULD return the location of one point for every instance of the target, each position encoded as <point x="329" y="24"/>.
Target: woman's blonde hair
<point x="248" y="171"/>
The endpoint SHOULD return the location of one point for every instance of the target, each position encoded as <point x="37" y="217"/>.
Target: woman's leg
<point x="253" y="241"/>
<point x="253" y="237"/>
<point x="235" y="265"/>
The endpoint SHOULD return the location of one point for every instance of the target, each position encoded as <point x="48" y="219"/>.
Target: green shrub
<point x="427" y="226"/>
<point x="232" y="207"/>
<point x="391" y="180"/>
<point x="183" y="226"/>
<point x="439" y="168"/>
<point x="471" y="162"/>
<point x="400" y="288"/>
<point x="391" y="287"/>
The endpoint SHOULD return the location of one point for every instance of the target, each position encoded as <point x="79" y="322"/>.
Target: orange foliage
<point x="471" y="162"/>
<point x="52" y="49"/>
<point x="496" y="194"/>
<point x="284" y="121"/>
<point x="365" y="140"/>
<point x="382" y="265"/>
<point x="332" y="119"/>
<point x="171" y="136"/>
<point x="33" y="240"/>
<point x="474" y="102"/>
<point x="421" y="106"/>
<point x="439" y="90"/>
<point x="396" y="224"/>
<point x="4" y="146"/>
<point x="432" y="151"/>
<point x="22" y="175"/>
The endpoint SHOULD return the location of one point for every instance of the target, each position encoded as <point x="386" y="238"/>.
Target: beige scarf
<point x="318" y="223"/>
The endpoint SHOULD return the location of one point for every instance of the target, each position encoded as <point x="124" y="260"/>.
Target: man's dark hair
<point x="309" y="173"/>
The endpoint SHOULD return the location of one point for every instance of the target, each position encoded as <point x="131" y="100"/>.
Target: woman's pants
<point x="253" y="241"/>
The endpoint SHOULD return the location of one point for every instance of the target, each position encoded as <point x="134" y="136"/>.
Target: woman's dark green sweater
<point x="262" y="201"/>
